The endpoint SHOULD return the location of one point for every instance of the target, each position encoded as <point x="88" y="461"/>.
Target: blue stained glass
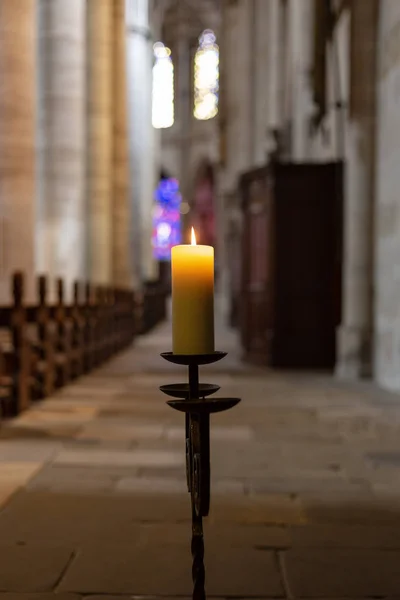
<point x="166" y="219"/>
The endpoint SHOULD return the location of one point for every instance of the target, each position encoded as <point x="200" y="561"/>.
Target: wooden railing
<point x="154" y="305"/>
<point x="45" y="345"/>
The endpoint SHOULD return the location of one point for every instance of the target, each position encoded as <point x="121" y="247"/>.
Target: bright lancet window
<point x="206" y="77"/>
<point x="163" y="88"/>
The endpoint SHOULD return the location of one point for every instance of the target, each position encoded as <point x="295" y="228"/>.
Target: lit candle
<point x="192" y="298"/>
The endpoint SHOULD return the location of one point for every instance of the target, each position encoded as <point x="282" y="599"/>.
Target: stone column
<point x="261" y="87"/>
<point x="275" y="61"/>
<point x="122" y="250"/>
<point x="139" y="67"/>
<point x="62" y="214"/>
<point x="355" y="333"/>
<point x="387" y="215"/>
<point x="17" y="108"/>
<point x="300" y="35"/>
<point x="183" y="82"/>
<point x="100" y="137"/>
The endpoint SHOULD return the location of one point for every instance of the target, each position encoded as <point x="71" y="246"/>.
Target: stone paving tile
<point x="79" y="519"/>
<point x="91" y="390"/>
<point x="7" y="492"/>
<point x="218" y="434"/>
<point x="217" y="536"/>
<point x="134" y="458"/>
<point x="128" y="569"/>
<point x="62" y="403"/>
<point x="33" y="567"/>
<point x="342" y="573"/>
<point x="165" y="570"/>
<point x="151" y="485"/>
<point x="77" y="481"/>
<point x="227" y="486"/>
<point x="168" y="483"/>
<point x="52" y="473"/>
<point x="96" y="380"/>
<point x="17" y="473"/>
<point x="76" y="443"/>
<point x="129" y="597"/>
<point x="101" y="431"/>
<point x="171" y="472"/>
<point x="39" y="596"/>
<point x="299" y="485"/>
<point x="257" y="537"/>
<point x="346" y="536"/>
<point x="55" y="431"/>
<point x="20" y="450"/>
<point x="225" y="569"/>
<point x="267" y="510"/>
<point x="348" y="509"/>
<point x="47" y="417"/>
<point x="150" y="410"/>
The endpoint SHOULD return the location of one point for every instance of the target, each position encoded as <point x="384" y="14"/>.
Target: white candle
<point x="192" y="298"/>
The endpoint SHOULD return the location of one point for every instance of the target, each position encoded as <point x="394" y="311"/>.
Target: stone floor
<point x="305" y="490"/>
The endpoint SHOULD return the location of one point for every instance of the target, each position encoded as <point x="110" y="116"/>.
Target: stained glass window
<point x="206" y="77"/>
<point x="163" y="87"/>
<point x="166" y="218"/>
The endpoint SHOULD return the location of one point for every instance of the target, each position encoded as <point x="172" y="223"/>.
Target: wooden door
<point x="308" y="261"/>
<point x="256" y="298"/>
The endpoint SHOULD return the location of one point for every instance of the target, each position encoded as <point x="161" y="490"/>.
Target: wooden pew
<point x="77" y="341"/>
<point x="16" y="354"/>
<point x="62" y="327"/>
<point x="154" y="305"/>
<point x="43" y="345"/>
<point x="42" y="341"/>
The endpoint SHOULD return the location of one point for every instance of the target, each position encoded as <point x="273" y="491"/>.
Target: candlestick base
<point x="194" y="400"/>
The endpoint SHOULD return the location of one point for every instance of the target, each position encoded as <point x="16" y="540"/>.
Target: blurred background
<point x="270" y="125"/>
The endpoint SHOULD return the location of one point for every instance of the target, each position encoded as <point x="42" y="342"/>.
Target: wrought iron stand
<point x="194" y="400"/>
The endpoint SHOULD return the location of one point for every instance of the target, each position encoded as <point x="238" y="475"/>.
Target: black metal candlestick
<point x="194" y="400"/>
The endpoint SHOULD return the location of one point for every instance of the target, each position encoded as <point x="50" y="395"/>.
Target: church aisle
<point x="305" y="487"/>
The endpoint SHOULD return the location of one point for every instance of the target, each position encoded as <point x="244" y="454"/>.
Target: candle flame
<point x="193" y="238"/>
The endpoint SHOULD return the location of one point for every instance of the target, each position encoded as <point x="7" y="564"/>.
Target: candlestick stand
<point x="194" y="400"/>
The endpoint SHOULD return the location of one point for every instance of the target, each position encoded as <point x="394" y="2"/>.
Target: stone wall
<point x="387" y="231"/>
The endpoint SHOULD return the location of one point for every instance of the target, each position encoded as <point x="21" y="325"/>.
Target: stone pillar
<point x="355" y="333"/>
<point x="17" y="108"/>
<point x="141" y="142"/>
<point x="62" y="207"/>
<point x="122" y="251"/>
<point x="387" y="215"/>
<point x="183" y="73"/>
<point x="300" y="35"/>
<point x="261" y="87"/>
<point x="275" y="61"/>
<point x="100" y="137"/>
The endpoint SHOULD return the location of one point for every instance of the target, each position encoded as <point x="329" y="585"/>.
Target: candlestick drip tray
<point x="194" y="359"/>
<point x="203" y="406"/>
<point x="182" y="390"/>
<point x="194" y="399"/>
